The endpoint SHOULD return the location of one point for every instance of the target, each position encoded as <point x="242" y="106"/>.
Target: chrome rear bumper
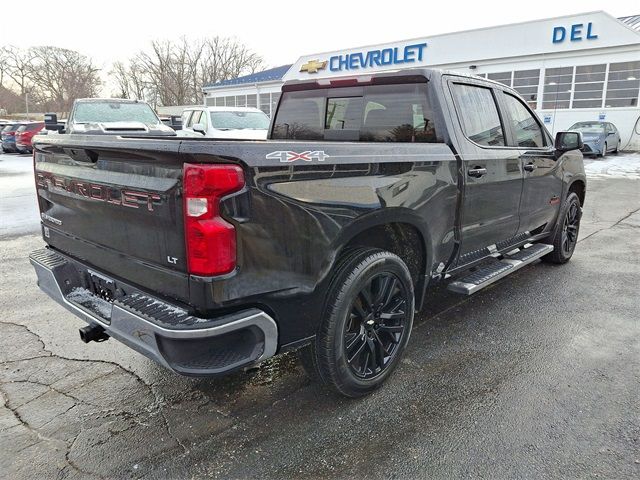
<point x="163" y="332"/>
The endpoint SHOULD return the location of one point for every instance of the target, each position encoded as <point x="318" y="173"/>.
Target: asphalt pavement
<point x="536" y="376"/>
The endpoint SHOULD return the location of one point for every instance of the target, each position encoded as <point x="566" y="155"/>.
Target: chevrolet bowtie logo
<point x="312" y="66"/>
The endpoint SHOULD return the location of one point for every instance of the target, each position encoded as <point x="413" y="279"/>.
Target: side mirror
<point x="566" y="141"/>
<point x="198" y="127"/>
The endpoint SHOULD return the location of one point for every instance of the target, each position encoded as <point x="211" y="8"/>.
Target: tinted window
<point x="378" y="113"/>
<point x="300" y="116"/>
<point x="525" y="127"/>
<point x="398" y="113"/>
<point x="478" y="114"/>
<point x="343" y="113"/>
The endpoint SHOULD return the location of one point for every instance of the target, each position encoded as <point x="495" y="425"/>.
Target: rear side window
<point x="525" y="127"/>
<point x="478" y="114"/>
<point x="376" y="113"/>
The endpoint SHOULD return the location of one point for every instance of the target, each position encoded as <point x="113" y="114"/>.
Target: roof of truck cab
<point x="427" y="73"/>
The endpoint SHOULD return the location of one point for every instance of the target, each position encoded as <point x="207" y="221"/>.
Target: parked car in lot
<point x="8" y="137"/>
<point x="599" y="138"/>
<point x="211" y="255"/>
<point x="24" y="135"/>
<point x="173" y="121"/>
<point x="240" y="123"/>
<point x="114" y="116"/>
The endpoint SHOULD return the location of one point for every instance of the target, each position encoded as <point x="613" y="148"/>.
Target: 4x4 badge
<point x="285" y="156"/>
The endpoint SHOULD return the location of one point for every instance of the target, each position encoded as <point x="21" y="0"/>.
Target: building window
<point x="252" y="101"/>
<point x="502" y="77"/>
<point x="210" y="101"/>
<point x="623" y="84"/>
<point x="265" y="103"/>
<point x="588" y="86"/>
<point x="525" y="82"/>
<point x="219" y="101"/>
<point x="557" y="87"/>
<point x="230" y="101"/>
<point x="241" y="100"/>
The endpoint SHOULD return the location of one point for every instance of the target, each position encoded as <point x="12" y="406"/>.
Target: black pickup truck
<point x="209" y="256"/>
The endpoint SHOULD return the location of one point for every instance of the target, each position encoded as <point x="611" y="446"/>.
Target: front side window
<point x="185" y="117"/>
<point x="376" y="113"/>
<point x="525" y="127"/>
<point x="478" y="114"/>
<point x="195" y="118"/>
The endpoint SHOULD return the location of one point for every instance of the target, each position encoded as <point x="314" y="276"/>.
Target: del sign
<point x="574" y="33"/>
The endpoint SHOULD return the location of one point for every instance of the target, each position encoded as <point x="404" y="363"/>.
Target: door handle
<point x="530" y="167"/>
<point x="477" y="172"/>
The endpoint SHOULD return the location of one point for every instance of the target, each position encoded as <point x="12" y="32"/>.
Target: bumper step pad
<point x="489" y="273"/>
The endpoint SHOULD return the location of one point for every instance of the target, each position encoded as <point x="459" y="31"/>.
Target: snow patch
<point x="84" y="297"/>
<point x="614" y="166"/>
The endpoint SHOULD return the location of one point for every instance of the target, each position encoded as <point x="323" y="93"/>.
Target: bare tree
<point x="17" y="64"/>
<point x="173" y="72"/>
<point x="60" y="76"/>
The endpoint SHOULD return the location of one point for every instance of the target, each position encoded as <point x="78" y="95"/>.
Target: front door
<point x="492" y="172"/>
<point x="542" y="190"/>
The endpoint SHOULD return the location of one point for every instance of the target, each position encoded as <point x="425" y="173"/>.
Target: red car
<point x="25" y="133"/>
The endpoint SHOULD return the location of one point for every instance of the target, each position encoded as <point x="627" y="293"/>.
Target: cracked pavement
<point x="535" y="376"/>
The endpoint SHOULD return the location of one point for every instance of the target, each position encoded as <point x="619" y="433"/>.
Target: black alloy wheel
<point x="570" y="229"/>
<point x="376" y="325"/>
<point x="366" y="323"/>
<point x="565" y="234"/>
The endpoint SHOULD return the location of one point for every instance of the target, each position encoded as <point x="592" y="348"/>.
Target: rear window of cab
<point x="375" y="113"/>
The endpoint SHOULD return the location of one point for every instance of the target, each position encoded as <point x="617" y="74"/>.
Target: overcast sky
<point x="280" y="31"/>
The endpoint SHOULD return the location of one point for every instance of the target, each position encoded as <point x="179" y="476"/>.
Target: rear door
<point x="542" y="178"/>
<point x="491" y="170"/>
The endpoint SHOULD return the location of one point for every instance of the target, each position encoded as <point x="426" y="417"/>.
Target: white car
<point x="239" y="123"/>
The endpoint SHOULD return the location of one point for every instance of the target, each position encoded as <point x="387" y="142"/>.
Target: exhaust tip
<point x="93" y="333"/>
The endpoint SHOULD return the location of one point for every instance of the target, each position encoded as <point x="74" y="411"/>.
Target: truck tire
<point x="565" y="236"/>
<point x="367" y="322"/>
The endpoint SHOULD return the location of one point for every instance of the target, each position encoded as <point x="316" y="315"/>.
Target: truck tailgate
<point x="116" y="204"/>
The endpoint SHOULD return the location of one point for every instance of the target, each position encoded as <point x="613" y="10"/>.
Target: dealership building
<point x="573" y="68"/>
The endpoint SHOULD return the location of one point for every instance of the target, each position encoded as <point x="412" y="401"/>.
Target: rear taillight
<point x="210" y="240"/>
